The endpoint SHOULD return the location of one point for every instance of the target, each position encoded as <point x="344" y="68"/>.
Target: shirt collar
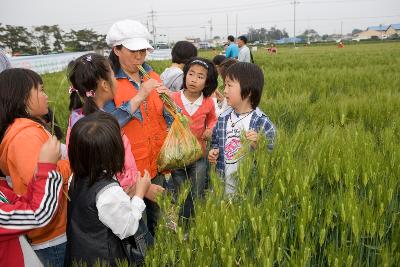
<point x="121" y="73"/>
<point x="185" y="101"/>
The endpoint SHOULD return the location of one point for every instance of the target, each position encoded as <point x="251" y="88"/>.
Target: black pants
<point x="152" y="209"/>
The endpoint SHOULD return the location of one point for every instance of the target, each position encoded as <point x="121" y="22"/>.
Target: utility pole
<point x="341" y="29"/>
<point x="236" y="25"/>
<point x="152" y="15"/>
<point x="227" y="26"/>
<point x="211" y="28"/>
<point x="294" y="3"/>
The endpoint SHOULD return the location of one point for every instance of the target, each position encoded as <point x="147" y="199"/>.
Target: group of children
<point x="117" y="126"/>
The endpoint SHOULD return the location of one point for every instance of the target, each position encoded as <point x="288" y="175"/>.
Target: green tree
<point x="18" y="38"/>
<point x="42" y="35"/>
<point x="58" y="38"/>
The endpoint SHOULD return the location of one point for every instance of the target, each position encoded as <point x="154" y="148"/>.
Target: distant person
<point x="4" y="61"/>
<point x="232" y="51"/>
<point x="273" y="49"/>
<point x="340" y="45"/>
<point x="244" y="51"/>
<point x="172" y="77"/>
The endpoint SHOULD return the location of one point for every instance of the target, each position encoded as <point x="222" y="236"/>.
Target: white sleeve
<point x="247" y="56"/>
<point x="118" y="212"/>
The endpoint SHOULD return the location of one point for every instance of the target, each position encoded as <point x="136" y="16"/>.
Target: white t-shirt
<point x="234" y="128"/>
<point x="172" y="78"/>
<point x="244" y="54"/>
<point x="190" y="107"/>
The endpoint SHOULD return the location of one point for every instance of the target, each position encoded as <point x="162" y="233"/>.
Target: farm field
<point x="329" y="193"/>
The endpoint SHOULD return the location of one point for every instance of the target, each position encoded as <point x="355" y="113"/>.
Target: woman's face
<point x="130" y="59"/>
<point x="37" y="104"/>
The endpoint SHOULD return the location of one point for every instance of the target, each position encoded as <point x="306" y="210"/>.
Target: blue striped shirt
<point x="259" y="122"/>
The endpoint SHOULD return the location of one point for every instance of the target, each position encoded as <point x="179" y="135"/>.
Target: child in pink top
<point x="93" y="85"/>
<point x="199" y="83"/>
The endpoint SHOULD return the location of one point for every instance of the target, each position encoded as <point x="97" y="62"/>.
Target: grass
<point x="328" y="195"/>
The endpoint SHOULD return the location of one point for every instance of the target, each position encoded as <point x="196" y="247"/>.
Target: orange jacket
<point x="19" y="154"/>
<point x="147" y="136"/>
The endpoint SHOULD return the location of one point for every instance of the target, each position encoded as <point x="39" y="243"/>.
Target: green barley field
<point x="329" y="193"/>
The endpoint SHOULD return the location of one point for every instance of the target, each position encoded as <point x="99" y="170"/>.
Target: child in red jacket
<point x="36" y="208"/>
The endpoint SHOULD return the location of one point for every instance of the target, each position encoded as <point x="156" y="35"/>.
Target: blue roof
<point x="396" y="26"/>
<point x="378" y="28"/>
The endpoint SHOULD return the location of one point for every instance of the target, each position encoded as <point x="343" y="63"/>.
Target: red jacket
<point x="204" y="118"/>
<point x="19" y="214"/>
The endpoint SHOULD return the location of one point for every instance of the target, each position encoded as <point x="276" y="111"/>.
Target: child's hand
<point x="220" y="97"/>
<point x="206" y="134"/>
<point x="213" y="155"/>
<point x="146" y="88"/>
<point x="252" y="136"/>
<point x="130" y="190"/>
<point x="153" y="192"/>
<point x="142" y="184"/>
<point x="50" y="151"/>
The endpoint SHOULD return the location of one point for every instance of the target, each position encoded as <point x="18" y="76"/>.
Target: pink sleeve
<point x="128" y="176"/>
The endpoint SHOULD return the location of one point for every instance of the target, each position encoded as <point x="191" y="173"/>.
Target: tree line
<point x="47" y="39"/>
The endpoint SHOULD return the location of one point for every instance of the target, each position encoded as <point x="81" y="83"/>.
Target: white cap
<point x="130" y="33"/>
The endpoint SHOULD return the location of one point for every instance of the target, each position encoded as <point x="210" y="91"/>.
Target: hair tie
<point x="88" y="58"/>
<point x="71" y="89"/>
<point x="200" y="62"/>
<point x="90" y="94"/>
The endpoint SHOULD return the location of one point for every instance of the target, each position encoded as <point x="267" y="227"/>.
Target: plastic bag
<point x="180" y="147"/>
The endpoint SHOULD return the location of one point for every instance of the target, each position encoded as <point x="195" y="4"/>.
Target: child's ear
<point x="104" y="85"/>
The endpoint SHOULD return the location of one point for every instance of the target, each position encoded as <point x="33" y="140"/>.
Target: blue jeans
<point x="52" y="256"/>
<point x="197" y="174"/>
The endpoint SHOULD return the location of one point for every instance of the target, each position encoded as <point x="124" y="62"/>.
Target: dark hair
<point x="212" y="74"/>
<point x="223" y="67"/>
<point x="231" y="38"/>
<point x="183" y="51"/>
<point x="15" y="88"/>
<point x="243" y="38"/>
<point x="218" y="59"/>
<point x="96" y="150"/>
<point x="49" y="118"/>
<point x="84" y="74"/>
<point x="114" y="60"/>
<point x="251" y="80"/>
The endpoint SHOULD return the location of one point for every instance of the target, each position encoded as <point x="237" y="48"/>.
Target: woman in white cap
<point x="148" y="128"/>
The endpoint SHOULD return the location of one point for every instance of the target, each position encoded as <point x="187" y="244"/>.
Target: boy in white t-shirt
<point x="172" y="77"/>
<point x="243" y="89"/>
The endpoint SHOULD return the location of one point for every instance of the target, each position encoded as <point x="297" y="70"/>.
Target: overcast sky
<point x="180" y="19"/>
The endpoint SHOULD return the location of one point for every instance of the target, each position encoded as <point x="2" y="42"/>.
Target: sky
<point x="193" y="18"/>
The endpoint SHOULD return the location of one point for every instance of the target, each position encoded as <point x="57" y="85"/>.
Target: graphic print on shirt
<point x="233" y="145"/>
